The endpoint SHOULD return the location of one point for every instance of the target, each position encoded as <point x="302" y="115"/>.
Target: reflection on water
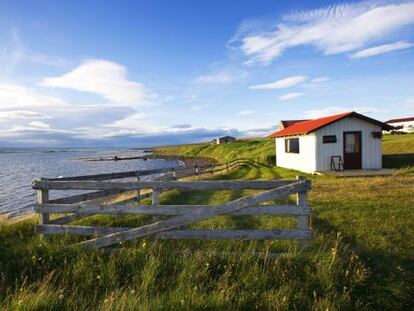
<point x="18" y="167"/>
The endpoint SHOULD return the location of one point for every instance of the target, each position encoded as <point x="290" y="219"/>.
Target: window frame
<point x="329" y="139"/>
<point x="288" y="146"/>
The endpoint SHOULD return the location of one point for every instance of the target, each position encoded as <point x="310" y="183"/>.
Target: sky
<point x="144" y="73"/>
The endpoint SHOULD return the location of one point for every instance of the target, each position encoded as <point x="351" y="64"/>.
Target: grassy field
<point x="398" y="150"/>
<point x="362" y="256"/>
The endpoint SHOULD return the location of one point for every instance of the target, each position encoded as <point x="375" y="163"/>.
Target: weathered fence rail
<point x="179" y="215"/>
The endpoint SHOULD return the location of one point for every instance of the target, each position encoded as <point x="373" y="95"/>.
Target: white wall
<point x="304" y="161"/>
<point x="316" y="156"/>
<point x="371" y="147"/>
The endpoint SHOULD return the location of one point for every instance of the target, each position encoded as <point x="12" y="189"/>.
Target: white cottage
<point x="350" y="140"/>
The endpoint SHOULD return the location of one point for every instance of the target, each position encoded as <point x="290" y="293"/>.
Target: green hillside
<point x="397" y="144"/>
<point x="260" y="149"/>
<point x="398" y="150"/>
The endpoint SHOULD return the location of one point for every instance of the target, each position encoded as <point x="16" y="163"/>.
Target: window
<point x="352" y="143"/>
<point x="377" y="135"/>
<point x="292" y="145"/>
<point x="329" y="139"/>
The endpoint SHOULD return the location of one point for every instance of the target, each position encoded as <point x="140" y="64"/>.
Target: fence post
<point x="138" y="197"/>
<point x="303" y="221"/>
<point x="155" y="198"/>
<point x="43" y="197"/>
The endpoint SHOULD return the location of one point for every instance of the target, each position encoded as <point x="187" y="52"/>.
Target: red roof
<point x="306" y="127"/>
<point x="400" y="120"/>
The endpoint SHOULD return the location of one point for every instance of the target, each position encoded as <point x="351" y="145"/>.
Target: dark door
<point x="352" y="150"/>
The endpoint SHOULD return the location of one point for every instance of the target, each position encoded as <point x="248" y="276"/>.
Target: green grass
<point x="398" y="150"/>
<point x="260" y="150"/>
<point x="362" y="256"/>
<point x="395" y="144"/>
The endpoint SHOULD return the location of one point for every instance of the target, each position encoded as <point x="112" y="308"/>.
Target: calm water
<point x="18" y="167"/>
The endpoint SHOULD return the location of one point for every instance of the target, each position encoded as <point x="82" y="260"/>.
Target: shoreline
<point x="186" y="167"/>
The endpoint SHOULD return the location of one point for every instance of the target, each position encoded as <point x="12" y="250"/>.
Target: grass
<point x="362" y="256"/>
<point x="398" y="150"/>
<point x="261" y="150"/>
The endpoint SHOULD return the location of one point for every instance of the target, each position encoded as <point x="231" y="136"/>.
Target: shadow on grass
<point x="398" y="160"/>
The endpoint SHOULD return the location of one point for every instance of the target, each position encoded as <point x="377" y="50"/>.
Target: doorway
<point x="352" y="150"/>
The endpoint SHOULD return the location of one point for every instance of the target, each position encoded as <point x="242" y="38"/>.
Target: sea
<point x="20" y="166"/>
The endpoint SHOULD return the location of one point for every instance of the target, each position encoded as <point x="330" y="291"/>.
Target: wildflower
<point x="98" y="277"/>
<point x="61" y="296"/>
<point x="182" y="301"/>
<point x="143" y="244"/>
<point x="132" y="291"/>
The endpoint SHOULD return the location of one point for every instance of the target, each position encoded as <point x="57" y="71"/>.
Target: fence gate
<point x="181" y="215"/>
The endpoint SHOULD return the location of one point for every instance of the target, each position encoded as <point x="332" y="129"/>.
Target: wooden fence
<point x="181" y="215"/>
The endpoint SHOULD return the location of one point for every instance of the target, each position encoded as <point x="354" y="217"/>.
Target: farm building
<point x="403" y="124"/>
<point x="343" y="141"/>
<point x="223" y="140"/>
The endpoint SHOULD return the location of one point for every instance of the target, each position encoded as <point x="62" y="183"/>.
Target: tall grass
<point x="164" y="276"/>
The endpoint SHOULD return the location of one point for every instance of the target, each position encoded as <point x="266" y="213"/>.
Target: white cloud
<point x="245" y="113"/>
<point x="199" y="107"/>
<point x="320" y="79"/>
<point x="13" y="53"/>
<point x="22" y="114"/>
<point x="280" y="84"/>
<point x="382" y="49"/>
<point x="103" y="78"/>
<point x="25" y="131"/>
<point x="14" y="96"/>
<point x="290" y="96"/>
<point x="133" y="121"/>
<point x="39" y="124"/>
<point x="221" y="77"/>
<point x="335" y="29"/>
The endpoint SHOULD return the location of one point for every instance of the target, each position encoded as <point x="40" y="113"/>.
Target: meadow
<point x="361" y="258"/>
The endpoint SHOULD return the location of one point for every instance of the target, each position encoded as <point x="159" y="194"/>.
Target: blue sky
<point x="138" y="73"/>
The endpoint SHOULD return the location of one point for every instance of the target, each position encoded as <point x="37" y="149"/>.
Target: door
<point x="352" y="150"/>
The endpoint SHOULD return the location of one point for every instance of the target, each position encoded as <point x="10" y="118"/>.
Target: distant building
<point x="402" y="124"/>
<point x="223" y="140"/>
<point x="349" y="139"/>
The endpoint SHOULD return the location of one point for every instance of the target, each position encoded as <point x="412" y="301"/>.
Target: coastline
<point x="186" y="168"/>
<point x="187" y="164"/>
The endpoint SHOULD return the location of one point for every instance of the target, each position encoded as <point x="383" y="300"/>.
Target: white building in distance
<point x="402" y="124"/>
